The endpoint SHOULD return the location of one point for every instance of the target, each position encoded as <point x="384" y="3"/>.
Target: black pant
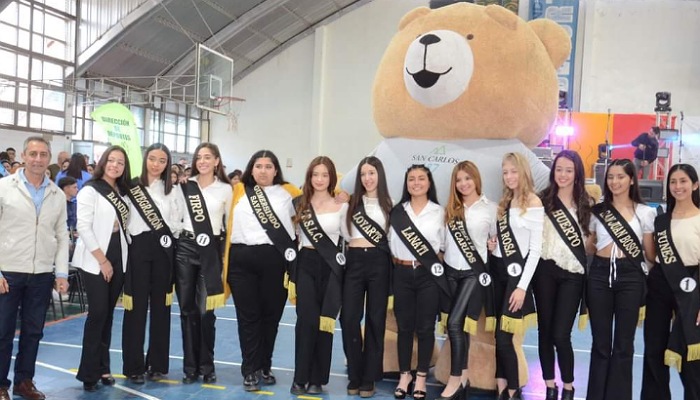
<point x="366" y="274"/>
<point x="661" y="304"/>
<point x="557" y="296"/>
<point x="466" y="290"/>
<point x="102" y="297"/>
<point x="416" y="305"/>
<point x="256" y="279"/>
<point x="198" y="331"/>
<point x="611" y="304"/>
<point x="506" y="357"/>
<point x="151" y="278"/>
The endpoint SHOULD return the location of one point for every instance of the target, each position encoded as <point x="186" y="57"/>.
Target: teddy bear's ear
<point x="555" y="39"/>
<point x="503" y="16"/>
<point x="413" y="15"/>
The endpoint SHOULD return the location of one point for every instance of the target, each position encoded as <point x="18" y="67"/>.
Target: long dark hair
<point x="308" y="189"/>
<point x="630" y="170"/>
<point x="218" y="170"/>
<point x="581" y="197"/>
<point x="432" y="192"/>
<point x="382" y="190"/>
<point x="124" y="180"/>
<point x="692" y="174"/>
<point x="247" y="177"/>
<point x="76" y="166"/>
<point x="165" y="176"/>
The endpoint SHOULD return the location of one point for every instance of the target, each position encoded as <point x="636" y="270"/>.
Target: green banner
<point x="118" y="121"/>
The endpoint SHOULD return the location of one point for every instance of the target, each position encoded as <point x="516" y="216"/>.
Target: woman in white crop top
<point x="671" y="297"/>
<point x="318" y="276"/>
<point x="521" y="211"/>
<point x="559" y="279"/>
<point x="616" y="283"/>
<point x="468" y="213"/>
<point x="366" y="280"/>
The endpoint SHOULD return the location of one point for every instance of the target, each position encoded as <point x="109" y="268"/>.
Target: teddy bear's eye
<point x="470" y="36"/>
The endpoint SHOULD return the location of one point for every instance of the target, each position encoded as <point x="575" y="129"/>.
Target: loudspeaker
<point x="652" y="191"/>
<point x="599" y="174"/>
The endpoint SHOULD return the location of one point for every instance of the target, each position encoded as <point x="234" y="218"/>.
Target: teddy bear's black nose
<point x="429" y="39"/>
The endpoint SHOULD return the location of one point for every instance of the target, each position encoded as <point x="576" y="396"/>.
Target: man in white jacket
<point x="34" y="240"/>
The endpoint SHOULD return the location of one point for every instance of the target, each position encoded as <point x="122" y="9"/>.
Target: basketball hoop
<point x="231" y="108"/>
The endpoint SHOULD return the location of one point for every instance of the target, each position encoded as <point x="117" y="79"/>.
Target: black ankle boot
<point x="567" y="394"/>
<point x="552" y="393"/>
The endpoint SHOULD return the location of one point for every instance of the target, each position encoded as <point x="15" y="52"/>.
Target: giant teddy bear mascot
<point x="466" y="82"/>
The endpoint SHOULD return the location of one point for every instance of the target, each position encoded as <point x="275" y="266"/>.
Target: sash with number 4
<point x="149" y="212"/>
<point x="335" y="260"/>
<point x="513" y="322"/>
<point x="369" y="229"/>
<point x="685" y="335"/>
<point x="210" y="250"/>
<point x="570" y="232"/>
<point x="270" y="222"/>
<point x="460" y="234"/>
<point x="419" y="246"/>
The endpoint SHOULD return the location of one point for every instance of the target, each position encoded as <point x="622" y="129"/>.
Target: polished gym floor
<point x="59" y="355"/>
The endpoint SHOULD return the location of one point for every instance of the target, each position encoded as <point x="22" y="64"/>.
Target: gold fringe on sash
<point x="693" y="352"/>
<point x="582" y="322"/>
<point x="292" y="292"/>
<point x="128" y="302"/>
<point x="511" y="325"/>
<point x="442" y="324"/>
<point x="490" y="325"/>
<point x="470" y="326"/>
<point x="642" y="316"/>
<point x="530" y="321"/>
<point x="673" y="359"/>
<point x="285" y="282"/>
<point x="216" y="301"/>
<point x="390" y="303"/>
<point x="326" y="324"/>
<point x="169" y="296"/>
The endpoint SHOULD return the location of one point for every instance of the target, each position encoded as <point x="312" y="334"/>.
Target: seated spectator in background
<point x="65" y="164"/>
<point x="4" y="168"/>
<point x="11" y="153"/>
<point x="235" y="176"/>
<point x="69" y="185"/>
<point x="179" y="171"/>
<point x="14" y="166"/>
<point x="647" y="148"/>
<point x="77" y="169"/>
<point x="91" y="169"/>
<point x="188" y="172"/>
<point x="56" y="168"/>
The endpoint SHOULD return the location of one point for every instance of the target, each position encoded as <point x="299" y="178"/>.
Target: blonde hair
<point x="525" y="188"/>
<point x="455" y="208"/>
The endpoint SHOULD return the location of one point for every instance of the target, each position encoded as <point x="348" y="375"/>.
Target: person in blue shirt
<point x="77" y="169"/>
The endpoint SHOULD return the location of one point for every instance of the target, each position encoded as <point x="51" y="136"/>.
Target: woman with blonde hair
<point x="517" y="246"/>
<point x="470" y="219"/>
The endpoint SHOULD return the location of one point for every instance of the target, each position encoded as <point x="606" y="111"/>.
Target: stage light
<point x="663" y="102"/>
<point x="603" y="152"/>
<point x="564" y="130"/>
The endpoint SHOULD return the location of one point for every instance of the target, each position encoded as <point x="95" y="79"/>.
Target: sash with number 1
<point x="513" y="322"/>
<point x="210" y="253"/>
<point x="570" y="232"/>
<point x="335" y="260"/>
<point x="459" y="233"/>
<point x="149" y="212"/>
<point x="685" y="336"/>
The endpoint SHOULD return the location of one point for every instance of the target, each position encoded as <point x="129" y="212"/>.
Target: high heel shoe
<point x="400" y="393"/>
<point x="552" y="393"/>
<point x="417" y="393"/>
<point x="567" y="394"/>
<point x="457" y="395"/>
<point x="107" y="380"/>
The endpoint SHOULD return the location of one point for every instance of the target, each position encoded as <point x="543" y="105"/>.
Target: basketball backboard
<point x="214" y="74"/>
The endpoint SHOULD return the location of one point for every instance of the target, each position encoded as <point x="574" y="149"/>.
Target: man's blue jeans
<point x="31" y="294"/>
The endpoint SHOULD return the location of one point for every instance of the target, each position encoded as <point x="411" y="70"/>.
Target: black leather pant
<point x="464" y="282"/>
<point x="198" y="330"/>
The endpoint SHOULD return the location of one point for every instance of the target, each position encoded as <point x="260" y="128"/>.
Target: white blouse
<point x="430" y="223"/>
<point x="686" y="237"/>
<point x="481" y="224"/>
<point x="641" y="223"/>
<point x="168" y="205"/>
<point x="217" y="197"/>
<point x="527" y="229"/>
<point x="246" y="226"/>
<point x="556" y="249"/>
<point x="330" y="223"/>
<point x="373" y="210"/>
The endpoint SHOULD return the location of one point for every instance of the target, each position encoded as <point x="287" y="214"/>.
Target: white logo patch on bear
<point x="438" y="67"/>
